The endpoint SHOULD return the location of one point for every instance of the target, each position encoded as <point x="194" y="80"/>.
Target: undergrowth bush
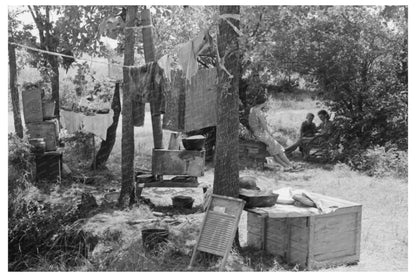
<point x="21" y="163"/>
<point x="40" y="230"/>
<point x="381" y="161"/>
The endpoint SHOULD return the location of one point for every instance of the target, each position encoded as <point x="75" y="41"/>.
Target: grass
<point x="384" y="235"/>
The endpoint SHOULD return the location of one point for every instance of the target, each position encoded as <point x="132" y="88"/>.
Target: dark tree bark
<point x="127" y="141"/>
<point x="18" y="127"/>
<point x="226" y="152"/>
<point x="107" y="145"/>
<point x="48" y="43"/>
<point x="149" y="56"/>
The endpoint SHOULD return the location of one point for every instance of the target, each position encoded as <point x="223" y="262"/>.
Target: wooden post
<point x="149" y="56"/>
<point x="127" y="140"/>
<point x="18" y="126"/>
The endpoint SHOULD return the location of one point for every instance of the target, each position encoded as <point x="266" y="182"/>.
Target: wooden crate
<point x="313" y="241"/>
<point x="32" y="105"/>
<point x="178" y="162"/>
<point x="48" y="130"/>
<point x="49" y="166"/>
<point x="252" y="154"/>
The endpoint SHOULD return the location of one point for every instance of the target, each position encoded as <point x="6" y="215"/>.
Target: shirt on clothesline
<point x="149" y="85"/>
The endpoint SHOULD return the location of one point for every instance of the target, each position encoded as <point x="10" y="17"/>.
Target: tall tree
<point x="18" y="126"/>
<point x="127" y="140"/>
<point x="66" y="29"/>
<point x="149" y="56"/>
<point x="107" y="144"/>
<point x="226" y="158"/>
<point x="50" y="43"/>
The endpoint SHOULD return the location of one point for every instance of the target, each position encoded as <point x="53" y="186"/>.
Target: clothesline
<point x="223" y="16"/>
<point x="67" y="56"/>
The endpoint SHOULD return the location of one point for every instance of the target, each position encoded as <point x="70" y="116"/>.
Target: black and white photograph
<point x="207" y="137"/>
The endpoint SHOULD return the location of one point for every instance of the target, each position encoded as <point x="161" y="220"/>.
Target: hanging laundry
<point x="149" y="85"/>
<point x="165" y="62"/>
<point x="71" y="121"/>
<point x="188" y="52"/>
<point x="138" y="113"/>
<point x="98" y="124"/>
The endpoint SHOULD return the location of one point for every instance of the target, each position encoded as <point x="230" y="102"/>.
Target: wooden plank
<point x="358" y="234"/>
<point x="334" y="254"/>
<point x="47" y="130"/>
<point x="335" y="223"/>
<point x="254" y="240"/>
<point x="32" y="105"/>
<point x="297" y="256"/>
<point x="333" y="262"/>
<point x="171" y="184"/>
<point x="201" y="100"/>
<point x="335" y="242"/>
<point x="276" y="248"/>
<point x="178" y="162"/>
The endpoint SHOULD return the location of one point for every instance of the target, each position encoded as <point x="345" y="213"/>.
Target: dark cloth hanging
<point x="149" y="85"/>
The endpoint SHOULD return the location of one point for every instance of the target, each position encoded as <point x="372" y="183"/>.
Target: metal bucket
<point x="48" y="109"/>
<point x="183" y="202"/>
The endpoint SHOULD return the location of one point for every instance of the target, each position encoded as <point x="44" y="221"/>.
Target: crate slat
<point x="311" y="241"/>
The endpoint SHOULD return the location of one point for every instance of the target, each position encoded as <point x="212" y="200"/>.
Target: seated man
<point x="307" y="132"/>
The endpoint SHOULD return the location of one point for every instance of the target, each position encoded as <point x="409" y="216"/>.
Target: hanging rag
<point x="164" y="63"/>
<point x="188" y="52"/>
<point x="71" y="121"/>
<point x="98" y="124"/>
<point x="149" y="85"/>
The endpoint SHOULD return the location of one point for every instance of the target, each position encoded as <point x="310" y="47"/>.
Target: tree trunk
<point x="18" y="127"/>
<point x="226" y="152"/>
<point x="127" y="141"/>
<point x="107" y="144"/>
<point x="149" y="56"/>
<point x="53" y="61"/>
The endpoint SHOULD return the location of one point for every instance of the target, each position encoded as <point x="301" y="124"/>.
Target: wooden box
<point x="252" y="154"/>
<point x="313" y="241"/>
<point x="32" y="105"/>
<point x="48" y="130"/>
<point x="178" y="162"/>
<point x="49" y="166"/>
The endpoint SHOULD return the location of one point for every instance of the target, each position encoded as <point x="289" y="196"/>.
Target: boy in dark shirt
<point x="307" y="132"/>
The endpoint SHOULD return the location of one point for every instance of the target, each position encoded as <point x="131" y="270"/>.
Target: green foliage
<point x="41" y="229"/>
<point x="382" y="161"/>
<point x="21" y="163"/>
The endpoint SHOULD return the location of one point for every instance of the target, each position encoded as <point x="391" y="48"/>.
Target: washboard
<point x="219" y="227"/>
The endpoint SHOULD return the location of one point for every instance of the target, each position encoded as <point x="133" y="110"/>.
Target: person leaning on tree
<point x="258" y="125"/>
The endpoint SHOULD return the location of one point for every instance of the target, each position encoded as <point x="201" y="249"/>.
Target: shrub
<point x="21" y="163"/>
<point x="381" y="161"/>
<point x="39" y="230"/>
